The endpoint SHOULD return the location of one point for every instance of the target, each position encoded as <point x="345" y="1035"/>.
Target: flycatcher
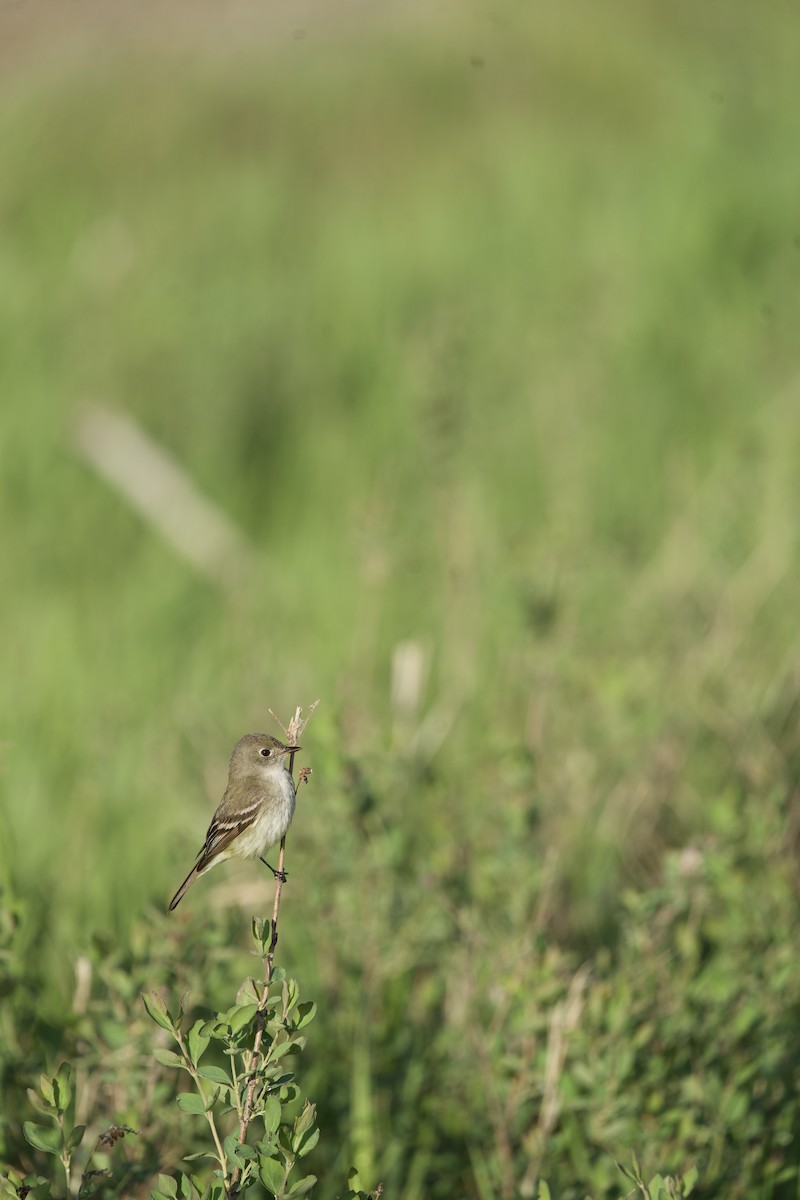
<point x="255" y="811"/>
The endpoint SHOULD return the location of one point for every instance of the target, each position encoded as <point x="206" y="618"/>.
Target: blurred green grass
<point x="483" y="331"/>
<point x="486" y="351"/>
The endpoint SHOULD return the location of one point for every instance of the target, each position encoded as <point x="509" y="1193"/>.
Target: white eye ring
<point x="266" y="752"/>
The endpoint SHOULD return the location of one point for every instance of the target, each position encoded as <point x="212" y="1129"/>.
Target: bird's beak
<point x="291" y="749"/>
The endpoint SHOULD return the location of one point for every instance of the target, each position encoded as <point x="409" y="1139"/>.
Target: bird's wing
<point x="228" y="822"/>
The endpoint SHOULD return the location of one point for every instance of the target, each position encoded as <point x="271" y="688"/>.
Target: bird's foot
<point x="280" y="875"/>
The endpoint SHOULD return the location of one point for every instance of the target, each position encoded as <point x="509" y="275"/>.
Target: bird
<point x="255" y="811"/>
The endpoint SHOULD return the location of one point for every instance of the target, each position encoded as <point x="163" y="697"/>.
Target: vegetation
<point x="479" y="329"/>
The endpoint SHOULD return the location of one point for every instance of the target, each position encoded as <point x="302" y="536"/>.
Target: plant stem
<point x="66" y="1157"/>
<point x="209" y="1115"/>
<point x="296" y="725"/>
<point x="261" y="1017"/>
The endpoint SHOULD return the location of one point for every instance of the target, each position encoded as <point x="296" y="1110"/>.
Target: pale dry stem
<point x="292" y="733"/>
<point x="563" y="1022"/>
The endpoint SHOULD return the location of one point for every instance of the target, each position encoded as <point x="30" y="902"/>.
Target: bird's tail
<point x="187" y="883"/>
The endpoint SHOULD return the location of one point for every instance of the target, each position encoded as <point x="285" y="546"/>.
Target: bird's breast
<point x="274" y="817"/>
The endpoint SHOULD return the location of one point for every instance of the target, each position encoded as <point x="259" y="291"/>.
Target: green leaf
<point x="39" y="1188"/>
<point x="43" y="1137"/>
<point x="168" y="1058"/>
<point x="62" y="1088"/>
<point x="239" y="1152"/>
<point x="354" y="1180"/>
<point x="292" y="994"/>
<point x="306" y="1119"/>
<point x="271" y="1174"/>
<point x="301" y="1188"/>
<point x="689" y="1180"/>
<point x="276" y="1052"/>
<point x="544" y="1190"/>
<point x="308" y="1143"/>
<point x="272" y="1114"/>
<point x="189" y="1188"/>
<point x="157" y="1009"/>
<point x="197" y="1040"/>
<point x="216" y="1029"/>
<point x="262" y="934"/>
<point x="216" y="1074"/>
<point x="248" y="992"/>
<point x="167" y="1185"/>
<point x="75" y="1138"/>
<point x="300" y="1132"/>
<point x="41" y="1106"/>
<point x="190" y="1102"/>
<point x="305" y="1013"/>
<point x="47" y="1089"/>
<point x="241" y="1015"/>
<point x="275" y="1026"/>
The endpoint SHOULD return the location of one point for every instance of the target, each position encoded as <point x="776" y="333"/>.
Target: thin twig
<point x="296" y="727"/>
<point x="280" y="723"/>
<point x="563" y="1022"/>
<point x="208" y="1113"/>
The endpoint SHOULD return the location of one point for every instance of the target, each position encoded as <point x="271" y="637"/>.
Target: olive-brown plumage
<point x="255" y="811"/>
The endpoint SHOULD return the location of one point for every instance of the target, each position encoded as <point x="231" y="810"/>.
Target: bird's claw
<point x="279" y="875"/>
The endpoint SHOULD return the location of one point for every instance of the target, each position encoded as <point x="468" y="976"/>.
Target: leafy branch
<point x="256" y="1035"/>
<point x="61" y="1138"/>
<point x="292" y="733"/>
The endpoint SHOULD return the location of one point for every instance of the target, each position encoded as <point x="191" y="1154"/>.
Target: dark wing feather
<point x="230" y="819"/>
<point x="228" y="822"/>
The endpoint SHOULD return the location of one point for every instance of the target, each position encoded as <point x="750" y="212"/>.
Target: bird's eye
<point x="266" y="751"/>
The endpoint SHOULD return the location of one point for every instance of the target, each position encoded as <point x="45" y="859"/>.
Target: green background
<point x="479" y="323"/>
